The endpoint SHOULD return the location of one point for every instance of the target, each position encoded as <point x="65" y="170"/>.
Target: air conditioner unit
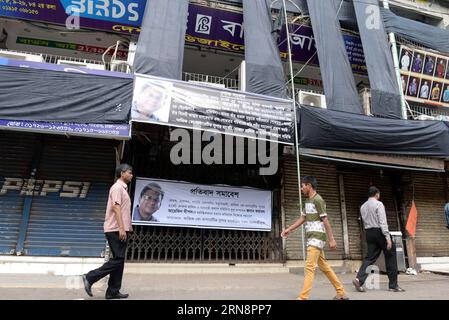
<point x="21" y="56"/>
<point x="365" y="99"/>
<point x="312" y="99"/>
<point x="120" y="66"/>
<point x="425" y="117"/>
<point x="93" y="66"/>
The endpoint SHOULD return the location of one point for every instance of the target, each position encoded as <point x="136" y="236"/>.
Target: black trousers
<point x="114" y="267"/>
<point x="376" y="243"/>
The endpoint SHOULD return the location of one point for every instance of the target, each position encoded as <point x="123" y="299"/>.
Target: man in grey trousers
<point x="378" y="239"/>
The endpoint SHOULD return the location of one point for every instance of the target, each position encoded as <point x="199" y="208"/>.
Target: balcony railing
<point x="122" y="66"/>
<point x="429" y="113"/>
<point x="305" y="90"/>
<point x="226" y="82"/>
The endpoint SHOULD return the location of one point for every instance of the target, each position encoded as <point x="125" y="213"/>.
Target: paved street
<point x="276" y="286"/>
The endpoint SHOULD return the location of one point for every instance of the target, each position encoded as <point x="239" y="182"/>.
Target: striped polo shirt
<point x="314" y="210"/>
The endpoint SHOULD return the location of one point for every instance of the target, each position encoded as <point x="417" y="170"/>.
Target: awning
<point x="341" y="131"/>
<point x="410" y="163"/>
<point x="57" y="93"/>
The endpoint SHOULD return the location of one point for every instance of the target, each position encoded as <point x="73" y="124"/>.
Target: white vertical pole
<point x="242" y="76"/>
<point x="296" y="123"/>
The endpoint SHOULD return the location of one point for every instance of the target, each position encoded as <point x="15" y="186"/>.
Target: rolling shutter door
<point x="356" y="188"/>
<point x="327" y="188"/>
<point x="15" y="162"/>
<point x="68" y="219"/>
<point x="432" y="236"/>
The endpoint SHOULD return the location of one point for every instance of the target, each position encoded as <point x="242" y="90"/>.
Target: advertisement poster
<point x="425" y="76"/>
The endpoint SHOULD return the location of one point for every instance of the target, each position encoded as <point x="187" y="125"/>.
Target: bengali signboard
<point x="425" y="76"/>
<point x="122" y="54"/>
<point x="181" y="104"/>
<point x="61" y="67"/>
<point x="115" y="131"/>
<point x="224" y="30"/>
<point x="173" y="203"/>
<point x="123" y="16"/>
<point x="210" y="27"/>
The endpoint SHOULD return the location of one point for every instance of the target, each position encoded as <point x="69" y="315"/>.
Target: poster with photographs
<point x="424" y="76"/>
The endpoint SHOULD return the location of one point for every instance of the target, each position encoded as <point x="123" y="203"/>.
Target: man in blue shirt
<point x="446" y="95"/>
<point x="417" y="64"/>
<point x="428" y="68"/>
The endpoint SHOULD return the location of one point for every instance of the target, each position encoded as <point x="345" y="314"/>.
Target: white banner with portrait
<point x="181" y="204"/>
<point x="187" y="105"/>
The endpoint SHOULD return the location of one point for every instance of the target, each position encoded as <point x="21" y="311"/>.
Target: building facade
<point x="54" y="182"/>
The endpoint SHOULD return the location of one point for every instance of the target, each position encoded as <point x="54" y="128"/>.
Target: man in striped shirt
<point x="318" y="229"/>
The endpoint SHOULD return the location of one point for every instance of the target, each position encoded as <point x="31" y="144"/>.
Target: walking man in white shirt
<point x="378" y="239"/>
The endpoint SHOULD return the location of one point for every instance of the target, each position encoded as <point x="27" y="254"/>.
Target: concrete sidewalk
<point x="248" y="286"/>
<point x="65" y="266"/>
<point x="434" y="264"/>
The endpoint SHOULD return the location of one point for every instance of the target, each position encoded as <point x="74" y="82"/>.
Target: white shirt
<point x="405" y="62"/>
<point x="374" y="216"/>
<point x="424" y="91"/>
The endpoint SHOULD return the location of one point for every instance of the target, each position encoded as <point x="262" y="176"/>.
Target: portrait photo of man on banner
<point x="148" y="203"/>
<point x="151" y="100"/>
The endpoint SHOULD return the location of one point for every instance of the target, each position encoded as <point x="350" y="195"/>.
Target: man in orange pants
<point x="318" y="230"/>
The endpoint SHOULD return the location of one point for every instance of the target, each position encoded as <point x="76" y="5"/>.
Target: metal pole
<point x="298" y="167"/>
<point x="394" y="52"/>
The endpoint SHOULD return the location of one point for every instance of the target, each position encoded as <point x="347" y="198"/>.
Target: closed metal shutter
<point x="432" y="236"/>
<point x="15" y="163"/>
<point x="328" y="188"/>
<point x="356" y="184"/>
<point x="68" y="220"/>
<point x="150" y="157"/>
